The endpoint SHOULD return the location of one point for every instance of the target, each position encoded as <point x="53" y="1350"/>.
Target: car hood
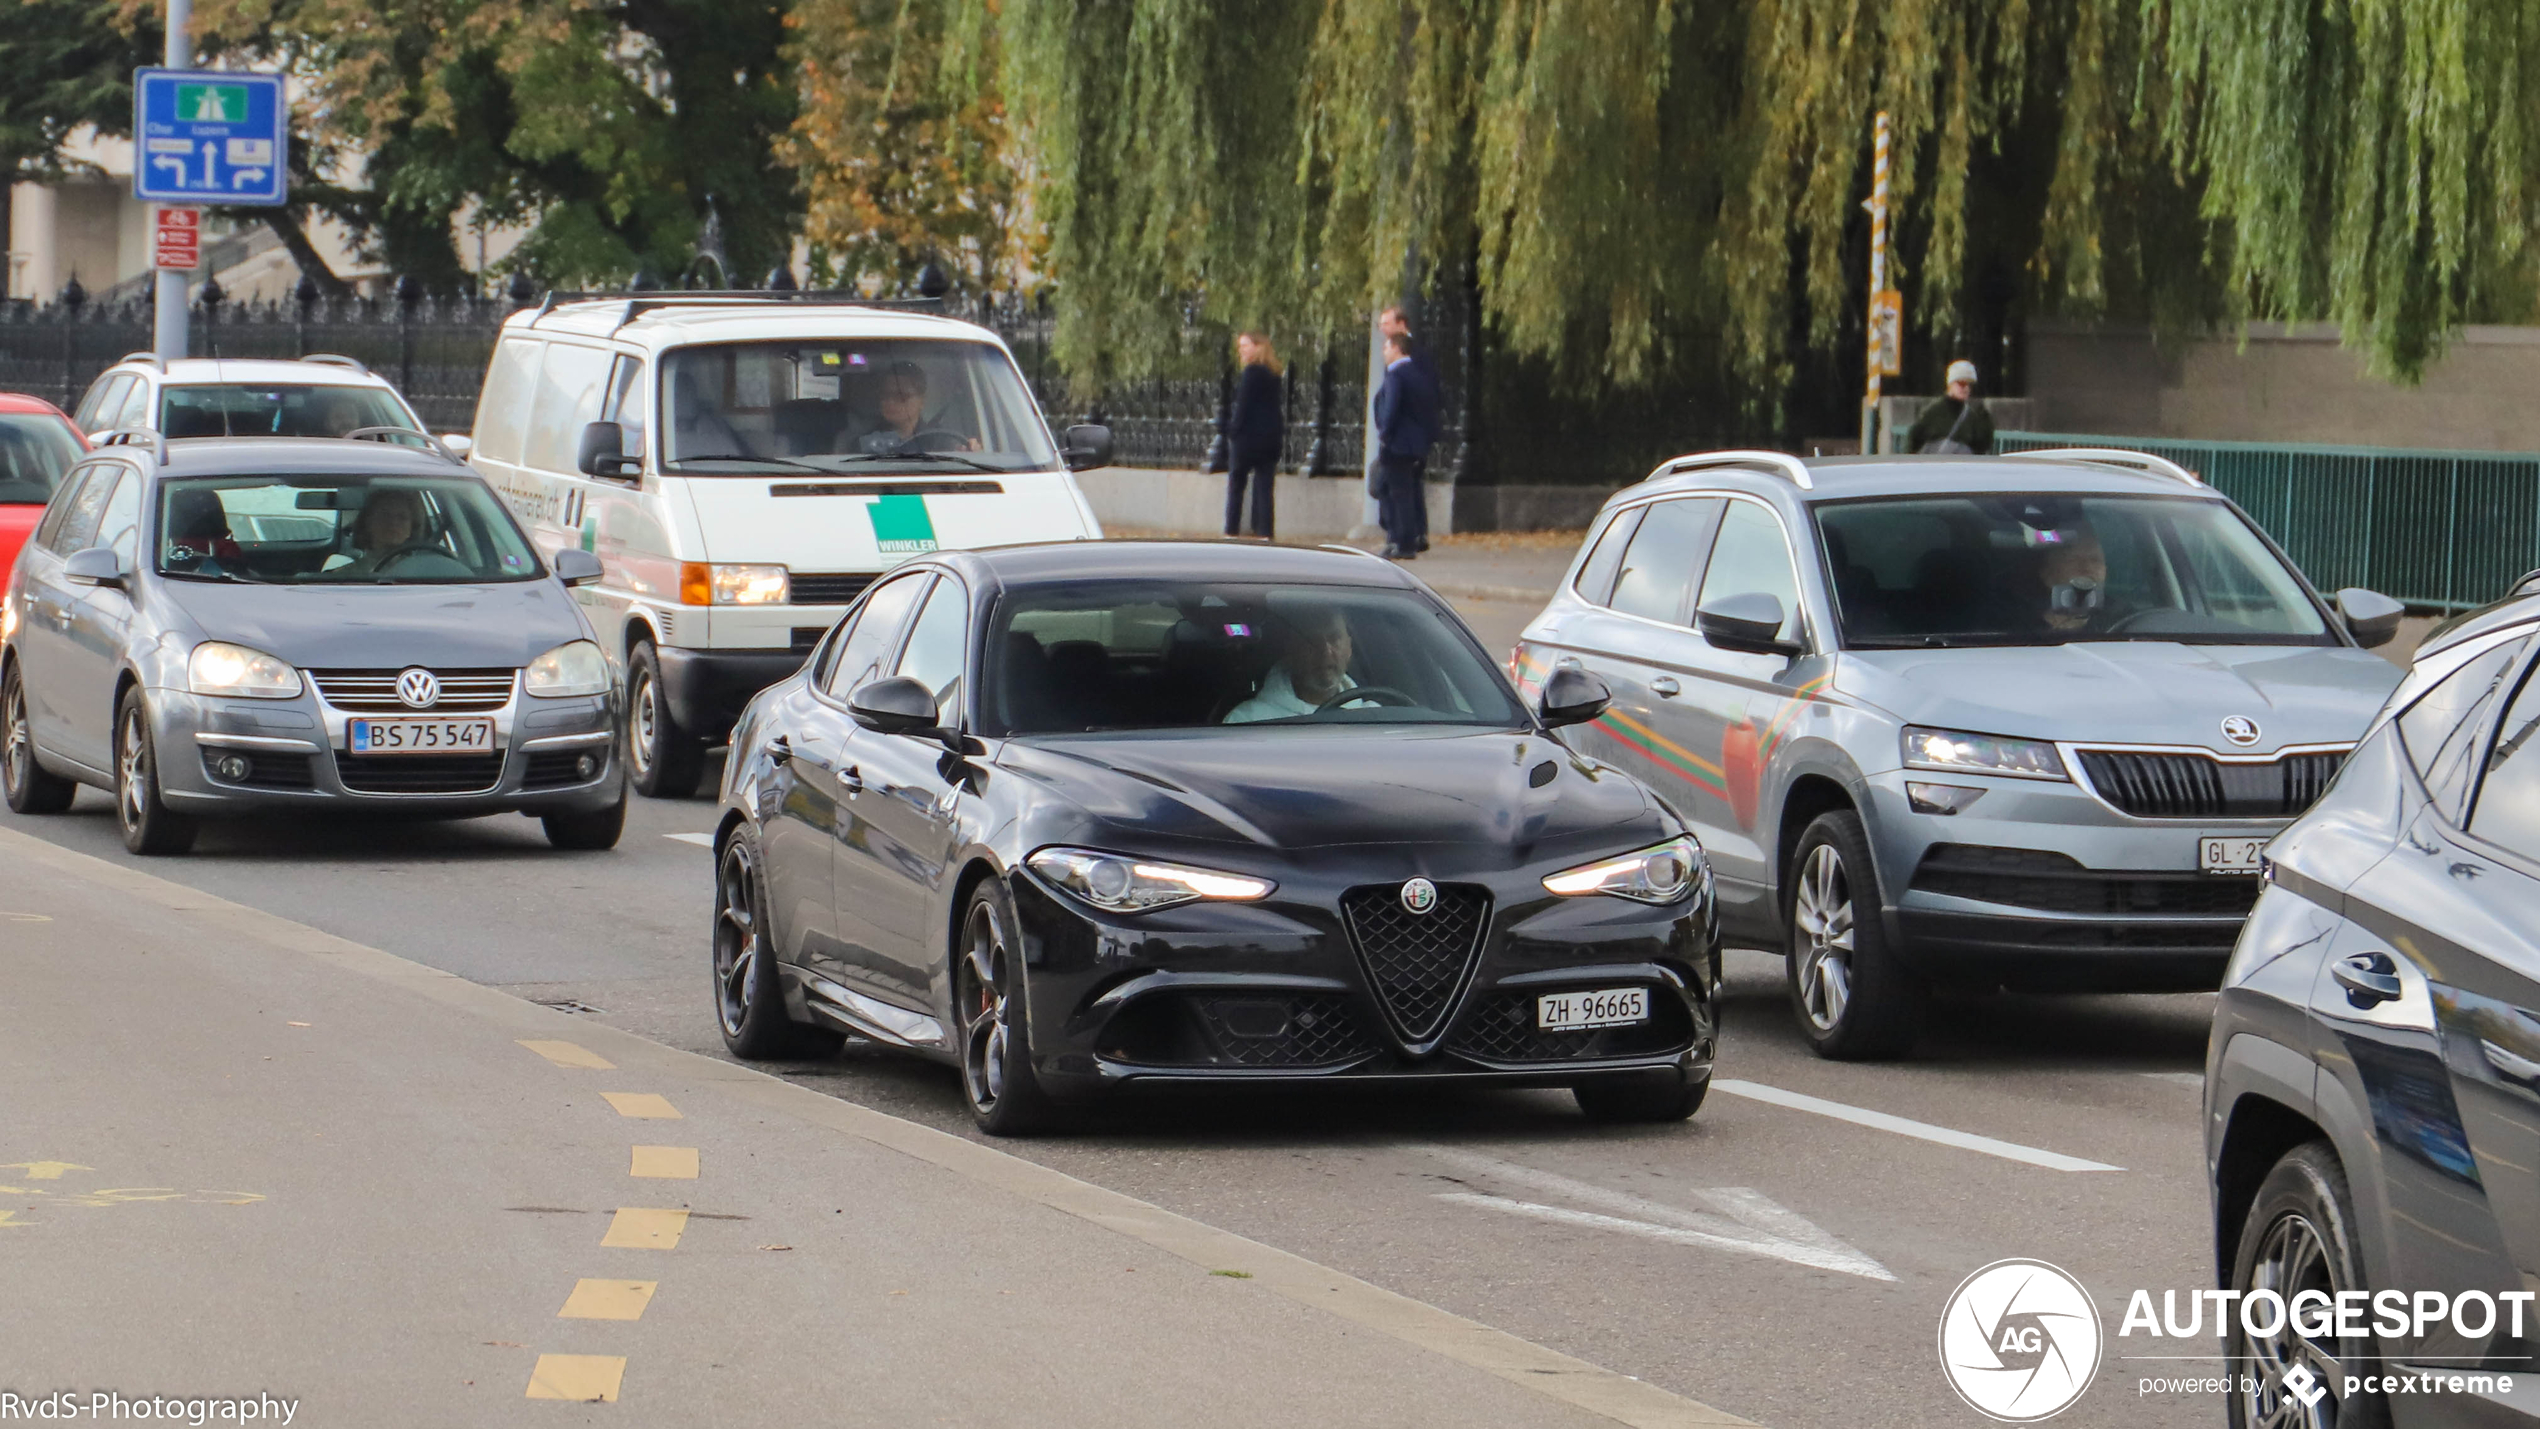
<point x="2130" y="692"/>
<point x="1297" y="788"/>
<point x="375" y="627"/>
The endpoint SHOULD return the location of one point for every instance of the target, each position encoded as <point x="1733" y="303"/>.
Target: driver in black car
<point x="1313" y="667"/>
<point x="903" y="404"/>
<point x="391" y="522"/>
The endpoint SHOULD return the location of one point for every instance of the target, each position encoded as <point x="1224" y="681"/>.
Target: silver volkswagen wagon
<point x="1964" y="722"/>
<point x="233" y="626"/>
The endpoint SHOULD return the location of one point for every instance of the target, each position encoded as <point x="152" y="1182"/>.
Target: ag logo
<point x="2019" y="1341"/>
<point x="2240" y="729"/>
<point x="1419" y="895"/>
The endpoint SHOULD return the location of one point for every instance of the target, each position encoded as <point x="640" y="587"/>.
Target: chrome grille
<point x="2197" y="786"/>
<point x="1416" y="961"/>
<point x="375" y="691"/>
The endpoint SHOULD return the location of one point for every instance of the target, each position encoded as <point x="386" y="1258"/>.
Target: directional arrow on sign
<point x="243" y="178"/>
<point x="162" y="161"/>
<point x="44" y="1170"/>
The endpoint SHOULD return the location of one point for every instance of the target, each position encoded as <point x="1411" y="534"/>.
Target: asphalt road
<point x="1782" y="1261"/>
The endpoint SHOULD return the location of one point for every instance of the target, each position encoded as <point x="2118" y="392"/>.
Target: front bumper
<point x="1282" y="991"/>
<point x="294" y="752"/>
<point x="708" y="689"/>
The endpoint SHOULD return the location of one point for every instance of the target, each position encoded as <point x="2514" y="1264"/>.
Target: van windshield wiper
<point x="744" y="456"/>
<point x="956" y="457"/>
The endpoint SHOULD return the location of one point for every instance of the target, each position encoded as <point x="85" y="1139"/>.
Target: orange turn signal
<point x="696" y="584"/>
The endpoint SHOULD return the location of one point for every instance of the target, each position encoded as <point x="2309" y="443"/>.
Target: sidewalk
<point x="250" y="1158"/>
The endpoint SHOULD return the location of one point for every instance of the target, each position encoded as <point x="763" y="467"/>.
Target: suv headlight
<point x="1661" y="874"/>
<point x="1124" y="883"/>
<point x="219" y="668"/>
<point x="703" y="584"/>
<point x="1962" y="753"/>
<point x="574" y="668"/>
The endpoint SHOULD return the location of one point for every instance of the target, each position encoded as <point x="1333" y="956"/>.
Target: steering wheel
<point x="935" y="439"/>
<point x="2126" y="622"/>
<point x="1382" y="694"/>
<point x="406" y="553"/>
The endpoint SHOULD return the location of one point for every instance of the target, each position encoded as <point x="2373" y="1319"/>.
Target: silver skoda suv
<point x="1968" y="722"/>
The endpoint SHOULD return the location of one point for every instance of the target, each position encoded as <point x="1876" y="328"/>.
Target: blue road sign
<point x="209" y="136"/>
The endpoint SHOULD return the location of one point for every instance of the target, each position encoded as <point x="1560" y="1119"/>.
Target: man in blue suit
<point x="1406" y="428"/>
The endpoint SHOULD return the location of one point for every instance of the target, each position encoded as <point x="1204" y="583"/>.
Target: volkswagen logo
<point x="421" y="689"/>
<point x="1419" y="895"/>
<point x="2240" y="729"/>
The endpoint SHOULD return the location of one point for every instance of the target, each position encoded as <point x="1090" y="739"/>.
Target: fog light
<point x="586" y="766"/>
<point x="1940" y="798"/>
<point x="232" y="766"/>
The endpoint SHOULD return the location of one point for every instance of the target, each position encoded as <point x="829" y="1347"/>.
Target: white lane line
<point x="700" y="840"/>
<point x="1749" y="1223"/>
<point x="1904" y="1126"/>
<point x="2184" y="1079"/>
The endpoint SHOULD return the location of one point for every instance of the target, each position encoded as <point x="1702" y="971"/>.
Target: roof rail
<point x="1346" y="549"/>
<point x="388" y="435"/>
<point x="1779" y="463"/>
<point x="149" y="357"/>
<point x="638" y="304"/>
<point x="127" y="436"/>
<point x="2116" y="456"/>
<point x="337" y="359"/>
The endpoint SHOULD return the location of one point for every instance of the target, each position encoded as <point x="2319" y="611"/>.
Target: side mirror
<point x="576" y="566"/>
<point x="1087" y="446"/>
<point x="98" y="565"/>
<point x="898" y="705"/>
<point x="2371" y="616"/>
<point x="603" y="451"/>
<point x="459" y="443"/>
<point x="1571" y="695"/>
<point x="1751" y="623"/>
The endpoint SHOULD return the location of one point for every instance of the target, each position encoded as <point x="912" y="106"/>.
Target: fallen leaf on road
<point x="1233" y="1274"/>
<point x="303" y="1024"/>
<point x="776" y="1247"/>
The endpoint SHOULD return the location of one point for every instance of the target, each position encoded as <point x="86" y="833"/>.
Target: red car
<point x="37" y="444"/>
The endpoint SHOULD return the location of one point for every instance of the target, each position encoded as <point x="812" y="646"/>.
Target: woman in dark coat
<point x="1254" y="429"/>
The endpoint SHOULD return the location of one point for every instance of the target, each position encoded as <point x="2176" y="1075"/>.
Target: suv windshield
<point x="35" y="449"/>
<point x="838" y="405"/>
<point x="354" y="530"/>
<point x="277" y="410"/>
<point x="2049" y="569"/>
<point x="1190" y="654"/>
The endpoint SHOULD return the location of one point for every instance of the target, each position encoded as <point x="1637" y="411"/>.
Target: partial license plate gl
<point x="419" y="736"/>
<point x="2230" y="853"/>
<point x="1604" y="1007"/>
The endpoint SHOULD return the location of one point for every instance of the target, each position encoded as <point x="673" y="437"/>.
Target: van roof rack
<point x="1781" y="464"/>
<point x="2115" y="456"/>
<point x="337" y="359"/>
<point x="638" y="304"/>
<point x="157" y="441"/>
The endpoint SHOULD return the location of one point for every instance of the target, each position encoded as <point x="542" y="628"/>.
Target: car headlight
<point x="1962" y="753"/>
<point x="703" y="584"/>
<point x="574" y="668"/>
<point x="1661" y="874"/>
<point x="1124" y="883"/>
<point x="219" y="668"/>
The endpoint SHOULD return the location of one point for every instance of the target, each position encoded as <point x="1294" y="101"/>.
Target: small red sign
<point x="176" y="243"/>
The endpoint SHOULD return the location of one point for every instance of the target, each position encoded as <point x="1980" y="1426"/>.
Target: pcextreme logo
<point x="2019" y="1341"/>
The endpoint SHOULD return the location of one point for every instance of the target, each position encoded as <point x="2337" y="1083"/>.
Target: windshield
<point x="35" y="449"/>
<point x="1190" y="654"/>
<point x="269" y="410"/>
<point x="833" y="406"/>
<point x="2047" y="570"/>
<point x="351" y="530"/>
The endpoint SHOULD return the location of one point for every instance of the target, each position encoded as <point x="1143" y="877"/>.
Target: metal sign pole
<point x="1876" y="355"/>
<point x="168" y="335"/>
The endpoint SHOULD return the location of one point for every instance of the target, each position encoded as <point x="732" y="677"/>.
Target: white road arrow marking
<point x="700" y="840"/>
<point x="1749" y="1223"/>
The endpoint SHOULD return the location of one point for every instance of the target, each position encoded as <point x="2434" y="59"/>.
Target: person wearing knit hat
<point x="1956" y="424"/>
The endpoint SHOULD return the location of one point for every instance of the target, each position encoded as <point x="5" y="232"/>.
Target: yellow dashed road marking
<point x="608" y="1300"/>
<point x="665" y="1163"/>
<point x="584" y="1379"/>
<point x="563" y="1054"/>
<point x="45" y="1170"/>
<point x="645" y="1230"/>
<point x="642" y="1104"/>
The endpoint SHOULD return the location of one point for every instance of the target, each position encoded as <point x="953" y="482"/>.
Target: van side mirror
<point x="2373" y="618"/>
<point x="1088" y="446"/>
<point x="1751" y="623"/>
<point x="97" y="566"/>
<point x="1571" y="695"/>
<point x="603" y="451"/>
<point x="576" y="566"/>
<point x="459" y="443"/>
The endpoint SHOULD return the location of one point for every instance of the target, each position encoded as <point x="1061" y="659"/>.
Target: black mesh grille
<point x="2193" y="786"/>
<point x="549" y="768"/>
<point x="1416" y="961"/>
<point x="419" y="773"/>
<point x="1302" y="1030"/>
<point x="1501" y="1028"/>
<point x="806" y="637"/>
<point x="264" y="771"/>
<point x="817" y="588"/>
<point x="2055" y="883"/>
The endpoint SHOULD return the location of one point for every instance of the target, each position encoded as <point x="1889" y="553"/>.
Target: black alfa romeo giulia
<point x="1074" y="817"/>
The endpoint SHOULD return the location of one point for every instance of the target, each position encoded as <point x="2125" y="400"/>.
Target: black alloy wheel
<point x="1852" y="998"/>
<point x="749" y="994"/>
<point x="149" y="825"/>
<point x="2299" y="1236"/>
<point x="667" y="759"/>
<point x="31" y="789"/>
<point x="997" y="1079"/>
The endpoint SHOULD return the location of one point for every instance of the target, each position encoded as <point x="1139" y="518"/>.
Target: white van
<point x="744" y="466"/>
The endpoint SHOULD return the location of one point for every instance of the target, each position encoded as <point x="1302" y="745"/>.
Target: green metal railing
<point x="2450" y="530"/>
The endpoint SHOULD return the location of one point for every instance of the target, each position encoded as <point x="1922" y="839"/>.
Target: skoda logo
<point x="2240" y="729"/>
<point x="2019" y="1341"/>
<point x="420" y="689"/>
<point x="1419" y="895"/>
